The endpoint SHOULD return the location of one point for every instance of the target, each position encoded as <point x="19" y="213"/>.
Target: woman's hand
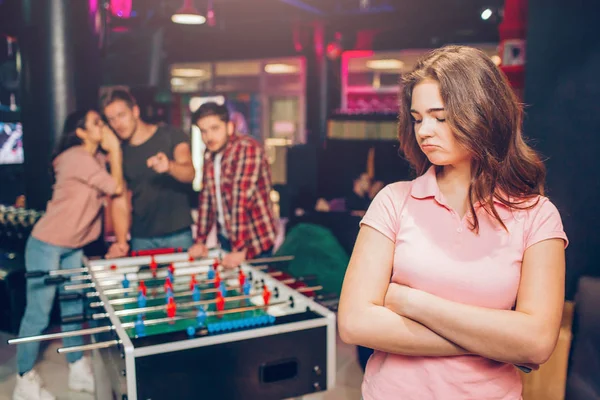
<point x="110" y="142"/>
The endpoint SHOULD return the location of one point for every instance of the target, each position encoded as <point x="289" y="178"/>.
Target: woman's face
<point x="94" y="126"/>
<point x="433" y="134"/>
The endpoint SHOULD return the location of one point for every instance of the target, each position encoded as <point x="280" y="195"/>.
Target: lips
<point x="429" y="146"/>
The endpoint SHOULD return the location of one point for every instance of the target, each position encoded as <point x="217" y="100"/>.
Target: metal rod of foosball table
<point x="60" y="335"/>
<point x="56" y="272"/>
<point x="81" y="278"/>
<point x="181" y="274"/>
<point x="200" y="263"/>
<point x="158" y="321"/>
<point x="85" y="347"/>
<point x="308" y="288"/>
<point x="134" y="288"/>
<point x="80" y="286"/>
<point x="288" y="281"/>
<point x="176" y="294"/>
<point x="141" y="310"/>
<point x="182" y="270"/>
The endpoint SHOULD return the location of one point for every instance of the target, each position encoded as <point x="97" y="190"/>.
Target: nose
<point x="115" y="125"/>
<point x="426" y="128"/>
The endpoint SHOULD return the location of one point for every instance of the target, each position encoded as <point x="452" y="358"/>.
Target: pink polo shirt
<point x="437" y="252"/>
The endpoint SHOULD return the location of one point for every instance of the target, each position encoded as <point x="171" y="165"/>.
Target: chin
<point x="439" y="161"/>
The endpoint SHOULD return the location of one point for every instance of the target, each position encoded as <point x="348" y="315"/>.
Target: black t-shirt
<point x="160" y="203"/>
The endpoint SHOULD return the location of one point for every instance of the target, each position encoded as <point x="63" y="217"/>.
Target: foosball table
<point x="164" y="326"/>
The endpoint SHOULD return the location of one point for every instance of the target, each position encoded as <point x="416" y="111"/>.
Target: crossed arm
<point x="397" y="319"/>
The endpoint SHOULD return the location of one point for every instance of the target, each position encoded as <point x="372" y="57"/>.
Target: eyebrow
<point x="430" y="110"/>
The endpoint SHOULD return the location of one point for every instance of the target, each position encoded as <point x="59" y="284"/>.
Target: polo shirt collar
<point x="426" y="186"/>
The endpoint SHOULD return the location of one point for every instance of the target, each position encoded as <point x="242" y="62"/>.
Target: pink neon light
<point x="121" y="8"/>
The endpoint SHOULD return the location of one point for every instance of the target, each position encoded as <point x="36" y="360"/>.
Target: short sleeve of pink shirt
<point x="544" y="223"/>
<point x="384" y="213"/>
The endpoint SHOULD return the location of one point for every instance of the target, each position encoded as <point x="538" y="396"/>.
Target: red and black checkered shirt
<point x="245" y="187"/>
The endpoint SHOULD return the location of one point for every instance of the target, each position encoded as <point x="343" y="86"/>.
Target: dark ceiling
<point x="249" y="15"/>
<point x="269" y="28"/>
<point x="359" y="12"/>
<point x="243" y="24"/>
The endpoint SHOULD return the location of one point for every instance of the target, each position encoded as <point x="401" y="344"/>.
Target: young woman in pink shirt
<point x="71" y="221"/>
<point x="458" y="275"/>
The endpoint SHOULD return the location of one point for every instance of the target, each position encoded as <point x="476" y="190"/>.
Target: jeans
<point x="41" y="256"/>
<point x="226" y="246"/>
<point x="181" y="239"/>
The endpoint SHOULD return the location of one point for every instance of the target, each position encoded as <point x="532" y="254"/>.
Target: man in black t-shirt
<point x="158" y="170"/>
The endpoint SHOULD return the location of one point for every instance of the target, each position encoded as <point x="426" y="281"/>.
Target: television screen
<point x="11" y="143"/>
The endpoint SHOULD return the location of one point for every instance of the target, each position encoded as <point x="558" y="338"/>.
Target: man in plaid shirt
<point x="236" y="183"/>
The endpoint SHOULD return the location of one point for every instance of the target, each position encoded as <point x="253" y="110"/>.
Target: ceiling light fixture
<point x="188" y="14"/>
<point x="385" y="64"/>
<point x="486" y="14"/>
<point x="177" y="81"/>
<point x="188" y="72"/>
<point x="280" y="69"/>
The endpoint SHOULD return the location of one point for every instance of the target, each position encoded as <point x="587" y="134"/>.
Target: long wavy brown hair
<point x="486" y="118"/>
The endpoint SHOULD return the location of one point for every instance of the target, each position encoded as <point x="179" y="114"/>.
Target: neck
<point x="90" y="147"/>
<point x="453" y="182"/>
<point x="143" y="132"/>
<point x="455" y="178"/>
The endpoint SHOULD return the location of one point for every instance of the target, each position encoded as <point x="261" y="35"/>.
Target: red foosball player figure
<point x="193" y="282"/>
<point x="220" y="302"/>
<point x="241" y="278"/>
<point x="266" y="295"/>
<point x="172" y="269"/>
<point x="153" y="266"/>
<point x="171" y="308"/>
<point x="142" y="288"/>
<point x="168" y="285"/>
<point x="217" y="279"/>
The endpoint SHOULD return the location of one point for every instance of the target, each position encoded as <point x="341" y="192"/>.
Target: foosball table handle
<point x="55" y="280"/>
<point x="36" y="274"/>
<point x="74" y="319"/>
<point x="69" y="296"/>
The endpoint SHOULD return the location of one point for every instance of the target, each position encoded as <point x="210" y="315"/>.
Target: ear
<point x="230" y="128"/>
<point x="136" y="111"/>
<point x="80" y="133"/>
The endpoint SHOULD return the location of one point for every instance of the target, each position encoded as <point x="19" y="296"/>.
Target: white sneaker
<point x="81" y="378"/>
<point x="31" y="387"/>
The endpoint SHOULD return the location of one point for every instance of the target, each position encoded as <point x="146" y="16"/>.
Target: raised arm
<point x="363" y="319"/>
<point x="182" y="168"/>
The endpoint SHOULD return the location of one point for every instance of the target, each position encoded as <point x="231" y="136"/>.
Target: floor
<point x="53" y="369"/>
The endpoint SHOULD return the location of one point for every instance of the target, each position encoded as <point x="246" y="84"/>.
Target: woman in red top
<point x="71" y="221"/>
